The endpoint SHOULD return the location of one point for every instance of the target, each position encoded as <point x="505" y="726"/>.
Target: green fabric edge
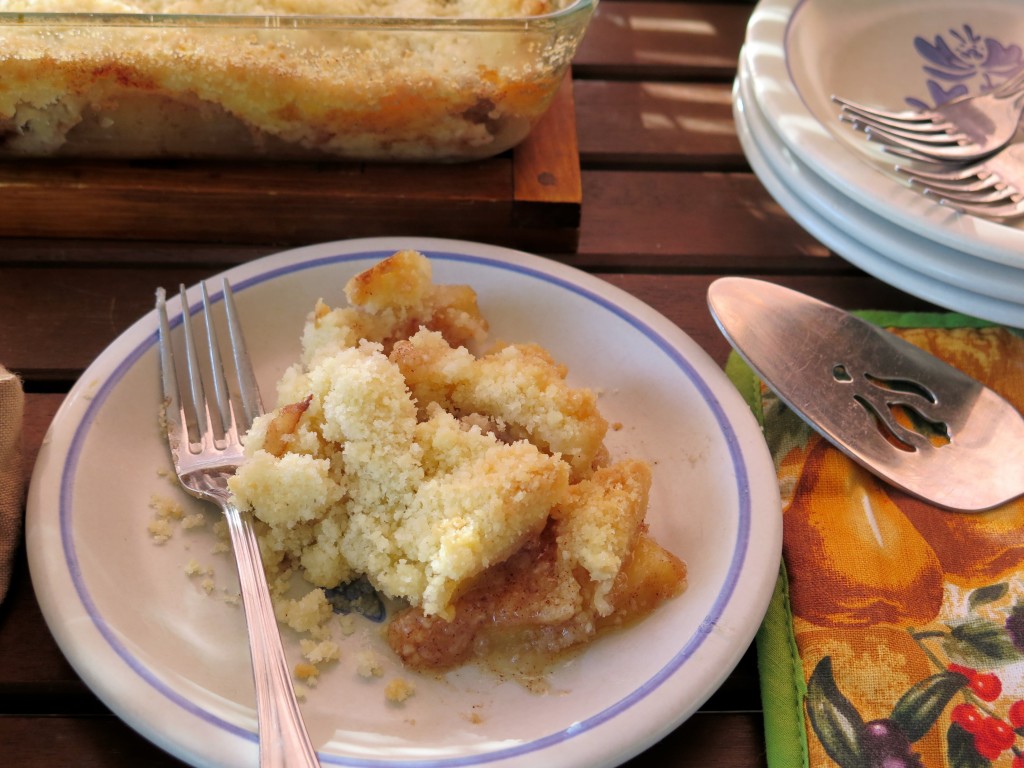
<point x="923" y="319"/>
<point x="780" y="670"/>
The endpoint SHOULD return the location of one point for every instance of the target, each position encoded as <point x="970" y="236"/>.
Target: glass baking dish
<point x="142" y="79"/>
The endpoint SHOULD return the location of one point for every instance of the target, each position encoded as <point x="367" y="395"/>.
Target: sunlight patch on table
<point x="662" y="24"/>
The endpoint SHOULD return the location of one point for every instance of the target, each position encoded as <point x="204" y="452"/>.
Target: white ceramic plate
<point x="172" y="661"/>
<point x="944" y="276"/>
<point x="801" y="52"/>
<point x="832" y="219"/>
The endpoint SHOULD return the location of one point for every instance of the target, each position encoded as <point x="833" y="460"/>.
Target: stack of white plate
<point x="842" y="188"/>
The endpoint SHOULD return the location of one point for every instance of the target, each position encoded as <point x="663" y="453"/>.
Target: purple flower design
<point x="1015" y="626"/>
<point x="962" y="61"/>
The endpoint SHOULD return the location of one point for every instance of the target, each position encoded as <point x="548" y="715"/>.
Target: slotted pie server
<point x="908" y="417"/>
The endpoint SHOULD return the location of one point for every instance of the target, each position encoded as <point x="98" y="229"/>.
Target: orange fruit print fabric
<point x="905" y="623"/>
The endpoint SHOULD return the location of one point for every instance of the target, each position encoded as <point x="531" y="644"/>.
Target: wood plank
<point x="300" y="202"/>
<point x="631" y="220"/>
<point x="29" y="657"/>
<point x="33" y="670"/>
<point x="686" y="126"/>
<point x="683" y="299"/>
<point x="691" y="221"/>
<point x="546" y="180"/>
<point x="84" y="742"/>
<point x="39" y="412"/>
<point x="667" y="229"/>
<point x="97" y="252"/>
<point x="106" y="742"/>
<point x="658" y="40"/>
<point x="700" y="743"/>
<point x="547" y="170"/>
<point x="62" y="338"/>
<point x="94" y="307"/>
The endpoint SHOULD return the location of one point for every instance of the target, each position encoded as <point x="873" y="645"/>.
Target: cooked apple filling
<point x="471" y="483"/>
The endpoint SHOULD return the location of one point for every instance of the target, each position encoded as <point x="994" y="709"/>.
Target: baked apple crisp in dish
<point x="401" y="80"/>
<point x="465" y="479"/>
<point x="536" y="615"/>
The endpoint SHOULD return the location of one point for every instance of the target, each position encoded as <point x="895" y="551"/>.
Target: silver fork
<point x="992" y="188"/>
<point x="961" y="130"/>
<point x="203" y="466"/>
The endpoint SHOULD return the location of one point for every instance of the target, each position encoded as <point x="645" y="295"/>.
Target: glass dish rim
<point x="541" y="22"/>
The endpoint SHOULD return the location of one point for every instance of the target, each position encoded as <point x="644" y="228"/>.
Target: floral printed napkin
<point x="12" y="402"/>
<point x="895" y="638"/>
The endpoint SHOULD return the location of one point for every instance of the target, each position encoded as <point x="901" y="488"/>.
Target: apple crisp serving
<point x="470" y="482"/>
<point x="293" y="86"/>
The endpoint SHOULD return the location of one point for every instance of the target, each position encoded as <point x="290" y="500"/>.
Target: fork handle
<point x="284" y="742"/>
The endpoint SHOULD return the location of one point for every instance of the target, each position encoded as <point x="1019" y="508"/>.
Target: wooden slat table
<point x="668" y="205"/>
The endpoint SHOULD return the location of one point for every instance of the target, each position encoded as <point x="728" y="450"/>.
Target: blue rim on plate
<point x="752" y="510"/>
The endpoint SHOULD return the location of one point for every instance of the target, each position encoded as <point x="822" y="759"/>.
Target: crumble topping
<point x="471" y="483"/>
<point x="362" y="93"/>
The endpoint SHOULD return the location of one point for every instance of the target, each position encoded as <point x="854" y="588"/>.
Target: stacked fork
<point x="963" y="151"/>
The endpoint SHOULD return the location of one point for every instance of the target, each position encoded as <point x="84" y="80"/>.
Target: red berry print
<point x="967" y="717"/>
<point x="962" y="670"/>
<point x="986" y="686"/>
<point x="993" y="738"/>
<point x="986" y="749"/>
<point x="1017" y="715"/>
<point x="999" y="732"/>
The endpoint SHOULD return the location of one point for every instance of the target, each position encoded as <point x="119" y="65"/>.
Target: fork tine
<point x="973" y="178"/>
<point x="919" y="141"/>
<point x="220" y="389"/>
<point x="909" y="116"/>
<point x="913" y="128"/>
<point x="984" y="196"/>
<point x="977" y="185"/>
<point x="195" y="379"/>
<point x="1008" y="211"/>
<point x="910" y="154"/>
<point x="952" y="174"/>
<point x="252" y="405"/>
<point x="172" y="411"/>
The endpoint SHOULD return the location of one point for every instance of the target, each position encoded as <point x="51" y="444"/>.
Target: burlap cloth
<point x="12" y="406"/>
